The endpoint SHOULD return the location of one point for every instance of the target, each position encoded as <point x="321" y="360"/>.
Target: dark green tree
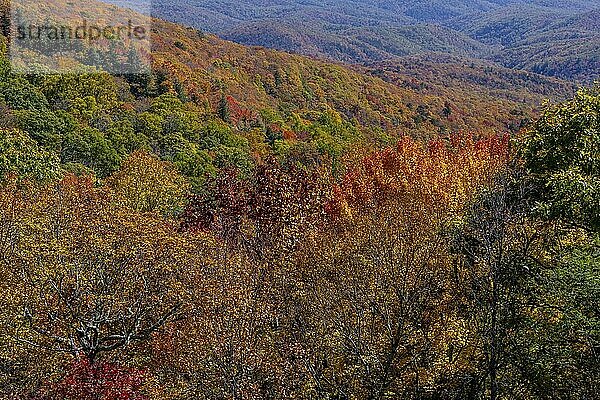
<point x="562" y="155"/>
<point x="223" y="109"/>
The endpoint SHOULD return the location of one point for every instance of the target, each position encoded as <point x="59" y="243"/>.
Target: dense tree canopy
<point x="247" y="224"/>
<point x="424" y="270"/>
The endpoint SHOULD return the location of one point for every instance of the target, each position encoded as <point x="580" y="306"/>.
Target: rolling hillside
<point x="214" y="103"/>
<point x="516" y="34"/>
<point x="259" y="77"/>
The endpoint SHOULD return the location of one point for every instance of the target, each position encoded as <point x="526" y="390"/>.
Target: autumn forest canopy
<point x="246" y="223"/>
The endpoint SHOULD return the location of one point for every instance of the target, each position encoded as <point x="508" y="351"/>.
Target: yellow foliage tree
<point x="147" y="184"/>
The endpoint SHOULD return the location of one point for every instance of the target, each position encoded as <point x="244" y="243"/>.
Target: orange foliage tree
<point x="443" y="174"/>
<point x="381" y="296"/>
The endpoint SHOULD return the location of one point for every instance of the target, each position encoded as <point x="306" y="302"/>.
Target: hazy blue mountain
<point x="554" y="37"/>
<point x="221" y="15"/>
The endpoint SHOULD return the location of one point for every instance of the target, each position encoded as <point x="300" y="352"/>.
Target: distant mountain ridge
<point x="555" y="38"/>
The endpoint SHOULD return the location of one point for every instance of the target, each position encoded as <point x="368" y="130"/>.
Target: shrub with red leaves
<point x="98" y="381"/>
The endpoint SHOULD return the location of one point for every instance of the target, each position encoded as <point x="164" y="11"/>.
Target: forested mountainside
<point x="549" y="43"/>
<point x="550" y="37"/>
<point x="464" y="84"/>
<point x="244" y="223"/>
<point x="212" y="104"/>
<point x="355" y="43"/>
